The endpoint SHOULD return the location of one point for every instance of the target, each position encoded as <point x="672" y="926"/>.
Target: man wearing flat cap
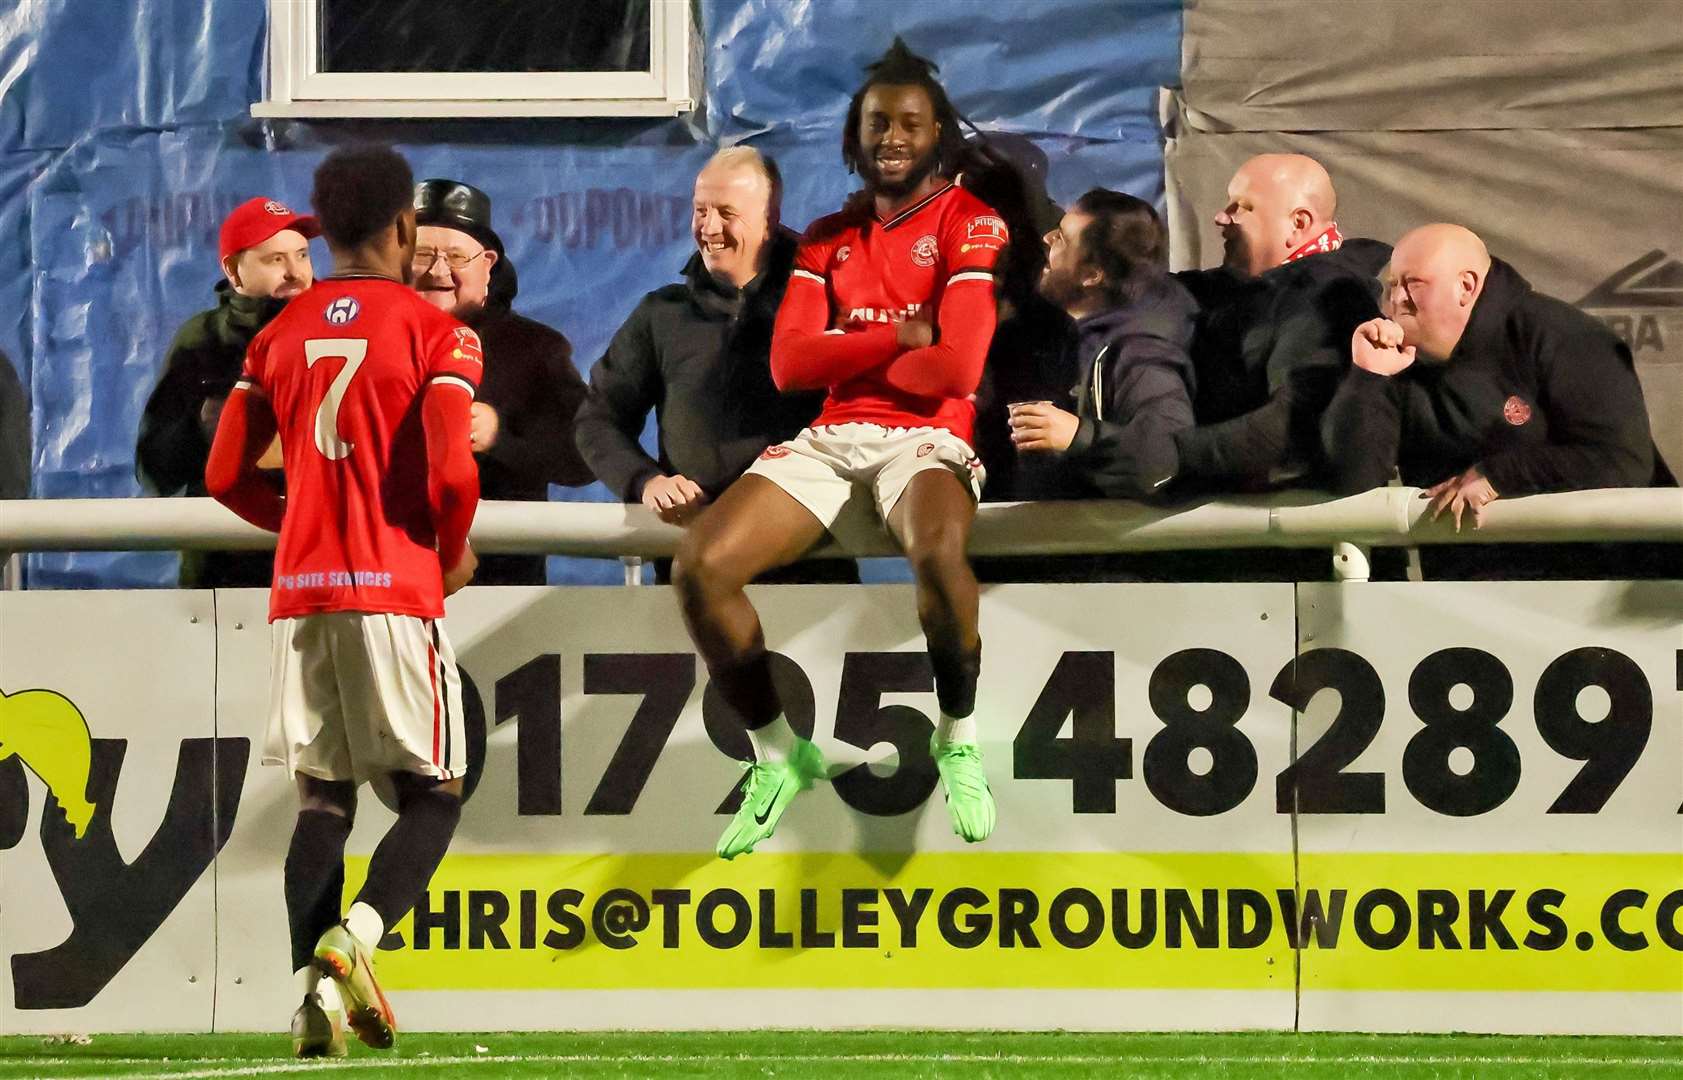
<point x="523" y="418"/>
<point x="264" y="249"/>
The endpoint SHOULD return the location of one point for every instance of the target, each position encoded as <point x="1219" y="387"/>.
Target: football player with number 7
<point x="369" y="388"/>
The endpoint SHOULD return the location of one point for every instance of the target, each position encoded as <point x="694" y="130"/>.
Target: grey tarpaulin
<point x="1553" y="129"/>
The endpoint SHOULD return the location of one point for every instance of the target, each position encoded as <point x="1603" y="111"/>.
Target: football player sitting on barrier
<point x="369" y="388"/>
<point x="1133" y="327"/>
<point x="890" y="308"/>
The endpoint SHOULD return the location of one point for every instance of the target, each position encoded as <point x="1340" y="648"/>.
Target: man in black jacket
<point x="1274" y="327"/>
<point x="523" y="418"/>
<point x="1133" y="328"/>
<point x="698" y="354"/>
<point x="1478" y="386"/>
<point x="265" y="255"/>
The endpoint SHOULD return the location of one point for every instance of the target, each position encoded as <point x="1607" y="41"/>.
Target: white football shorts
<point x="355" y="696"/>
<point x="825" y="468"/>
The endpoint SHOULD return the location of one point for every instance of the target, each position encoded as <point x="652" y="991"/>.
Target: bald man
<point x="697" y="353"/>
<point x="1478" y="388"/>
<point x="1274" y="328"/>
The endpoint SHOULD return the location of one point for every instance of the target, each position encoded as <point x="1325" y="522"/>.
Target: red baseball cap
<point x="255" y="220"/>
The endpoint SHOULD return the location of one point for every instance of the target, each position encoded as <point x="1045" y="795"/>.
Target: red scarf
<point x="1330" y="240"/>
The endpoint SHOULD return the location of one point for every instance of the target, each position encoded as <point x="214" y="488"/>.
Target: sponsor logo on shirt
<point x="343" y="310"/>
<point x="467" y="346"/>
<point x="925" y="250"/>
<point x="986" y="229"/>
<point x="1515" y="410"/>
<point x="883" y="315"/>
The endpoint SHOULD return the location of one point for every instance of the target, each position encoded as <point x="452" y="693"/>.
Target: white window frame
<point x="298" y="89"/>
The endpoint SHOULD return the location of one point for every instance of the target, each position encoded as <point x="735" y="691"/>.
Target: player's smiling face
<point x="898" y="134"/>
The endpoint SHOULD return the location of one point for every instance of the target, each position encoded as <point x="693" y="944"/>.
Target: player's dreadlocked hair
<point x="988" y="174"/>
<point x="899" y="66"/>
<point x="359" y="190"/>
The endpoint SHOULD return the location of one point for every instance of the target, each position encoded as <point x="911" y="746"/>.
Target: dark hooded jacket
<point x="1133" y="395"/>
<point x="697" y="353"/>
<point x="531" y="381"/>
<point x="1539" y="395"/>
<point x="1268" y="355"/>
<point x="203" y="361"/>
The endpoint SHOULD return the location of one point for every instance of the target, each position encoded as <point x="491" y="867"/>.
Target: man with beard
<point x="698" y="353"/>
<point x="1133" y="327"/>
<point x="1274" y="328"/>
<point x="265" y="253"/>
<point x="890" y="309"/>
<point x="1481" y="388"/>
<point x="523" y="419"/>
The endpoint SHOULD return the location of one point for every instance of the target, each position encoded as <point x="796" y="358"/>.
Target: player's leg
<point x="755" y="526"/>
<point x="403" y="863"/>
<point x="403" y="703"/>
<point x="315" y="883"/>
<point x="931" y="521"/>
<point x="306" y="735"/>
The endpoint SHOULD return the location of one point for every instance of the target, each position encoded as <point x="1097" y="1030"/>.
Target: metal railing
<point x="1384" y="517"/>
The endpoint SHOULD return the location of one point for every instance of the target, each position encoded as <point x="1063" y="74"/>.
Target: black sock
<point x="748" y="690"/>
<point x="408" y="854"/>
<point x="315" y="879"/>
<point x="955" y="680"/>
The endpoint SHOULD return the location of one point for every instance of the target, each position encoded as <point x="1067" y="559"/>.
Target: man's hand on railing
<point x="674" y="499"/>
<point x="1469" y="491"/>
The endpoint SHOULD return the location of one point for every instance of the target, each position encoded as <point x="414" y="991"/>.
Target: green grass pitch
<point x="810" y="1055"/>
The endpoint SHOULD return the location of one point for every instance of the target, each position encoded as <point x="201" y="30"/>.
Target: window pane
<point x="483" y="35"/>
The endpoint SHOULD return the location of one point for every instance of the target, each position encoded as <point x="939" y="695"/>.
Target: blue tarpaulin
<point x="125" y="136"/>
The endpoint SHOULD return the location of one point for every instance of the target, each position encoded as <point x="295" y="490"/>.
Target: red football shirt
<point x="856" y="276"/>
<point x="345" y="366"/>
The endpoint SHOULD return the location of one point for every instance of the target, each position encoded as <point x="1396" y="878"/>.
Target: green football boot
<point x="317" y="1032"/>
<point x="771" y="787"/>
<point x="345" y="960"/>
<point x="969" y="801"/>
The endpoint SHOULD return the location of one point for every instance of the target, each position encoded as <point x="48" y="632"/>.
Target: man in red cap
<point x="265" y="256"/>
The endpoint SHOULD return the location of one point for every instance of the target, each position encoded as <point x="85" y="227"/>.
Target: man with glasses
<point x="523" y="419"/>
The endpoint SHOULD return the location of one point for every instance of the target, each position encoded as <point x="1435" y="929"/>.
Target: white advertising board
<point x="1167" y="819"/>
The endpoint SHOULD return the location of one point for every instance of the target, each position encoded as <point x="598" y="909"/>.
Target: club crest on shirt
<point x="842" y="253"/>
<point x="342" y="310"/>
<point x="925" y="250"/>
<point x="1515" y="411"/>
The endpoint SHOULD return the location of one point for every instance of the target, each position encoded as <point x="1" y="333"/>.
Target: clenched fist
<point x="1377" y="346"/>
